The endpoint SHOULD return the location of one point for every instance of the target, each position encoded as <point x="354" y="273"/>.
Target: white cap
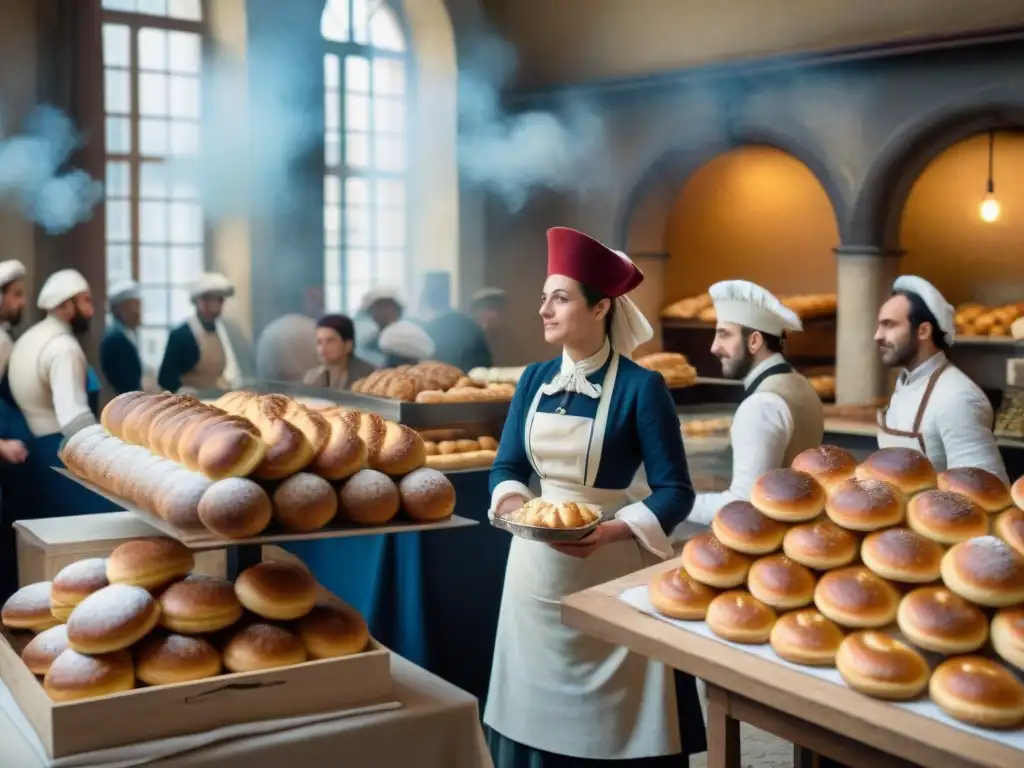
<point x="61" y="286"/>
<point x="487" y="293"/>
<point x="11" y="270"/>
<point x="381" y="294"/>
<point x="944" y="312"/>
<point x="750" y="305"/>
<point x="122" y="290"/>
<point x="212" y="283"/>
<point x="406" y="339"/>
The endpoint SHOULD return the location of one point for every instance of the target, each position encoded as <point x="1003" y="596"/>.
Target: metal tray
<point x="545" y="535"/>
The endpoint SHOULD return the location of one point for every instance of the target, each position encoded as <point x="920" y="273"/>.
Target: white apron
<point x="554" y="688"/>
<point x="216" y="360"/>
<point x="889" y="437"/>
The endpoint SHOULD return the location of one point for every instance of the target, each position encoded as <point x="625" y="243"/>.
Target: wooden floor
<point x="759" y="749"/>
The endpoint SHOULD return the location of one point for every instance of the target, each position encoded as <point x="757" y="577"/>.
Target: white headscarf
<point x="629" y="328"/>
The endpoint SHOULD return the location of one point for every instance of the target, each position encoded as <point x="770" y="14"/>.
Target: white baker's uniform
<point x="938" y="410"/>
<point x="588" y="699"/>
<point x="6" y="346"/>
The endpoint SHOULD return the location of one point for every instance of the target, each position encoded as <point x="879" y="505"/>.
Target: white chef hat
<point x="485" y="294"/>
<point x="61" y="286"/>
<point x="212" y="283"/>
<point x="122" y="290"/>
<point x="750" y="305"/>
<point x="11" y="270"/>
<point x="945" y="314"/>
<point x="406" y="339"/>
<point x="382" y="293"/>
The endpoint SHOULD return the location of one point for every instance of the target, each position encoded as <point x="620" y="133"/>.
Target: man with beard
<point x="12" y="305"/>
<point x="781" y="414"/>
<point x="119" y="350"/>
<point x="935" y="408"/>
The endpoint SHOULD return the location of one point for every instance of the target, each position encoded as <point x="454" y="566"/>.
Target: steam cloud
<point x="512" y="154"/>
<point x="35" y="177"/>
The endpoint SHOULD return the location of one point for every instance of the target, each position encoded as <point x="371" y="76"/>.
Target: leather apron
<point x="914" y="439"/>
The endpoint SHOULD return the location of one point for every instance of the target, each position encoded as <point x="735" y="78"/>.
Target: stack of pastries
<point x="674" y="368"/>
<point x="902" y="578"/>
<point x="973" y="319"/>
<point x="140" y="617"/>
<point x="806" y="306"/>
<point x="233" y="468"/>
<point x="431" y="382"/>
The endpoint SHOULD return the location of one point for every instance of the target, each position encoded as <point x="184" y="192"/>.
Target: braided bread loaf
<point x="391" y="448"/>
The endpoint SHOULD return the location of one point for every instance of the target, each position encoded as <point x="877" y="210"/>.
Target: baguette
<point x="453" y="461"/>
<point x="290" y="447"/>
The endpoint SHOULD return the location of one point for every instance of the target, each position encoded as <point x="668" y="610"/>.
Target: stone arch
<point x="650" y="199"/>
<point x="875" y="220"/>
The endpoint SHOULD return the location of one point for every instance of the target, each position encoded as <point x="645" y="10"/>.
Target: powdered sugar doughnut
<point x="427" y="495"/>
<point x="74" y="676"/>
<point x="112" y="619"/>
<point x="369" y="497"/>
<point x="263" y="646"/>
<point x="235" y="508"/>
<point x="76" y="582"/>
<point x="29" y="608"/>
<point x="165" y="659"/>
<point x="40" y="653"/>
<point x="305" y="502"/>
<point x="178" y="503"/>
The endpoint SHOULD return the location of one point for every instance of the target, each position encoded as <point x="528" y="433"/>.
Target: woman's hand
<point x="606" y="533"/>
<point x="13" y="451"/>
<point x="509" y="505"/>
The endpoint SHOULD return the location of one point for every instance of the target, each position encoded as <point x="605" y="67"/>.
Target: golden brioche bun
<point x="907" y="470"/>
<point x="986" y="571"/>
<point x="788" y="496"/>
<point x="163" y="659"/>
<point x="739" y="526"/>
<point x="1008" y="635"/>
<point x="979" y="485"/>
<point x="899" y="554"/>
<point x="935" y="619"/>
<point x="979" y="691"/>
<point x="708" y="561"/>
<point x="828" y="464"/>
<point x="276" y="591"/>
<point x="29" y="608"/>
<point x="199" y="604"/>
<point x="856" y="598"/>
<point x="864" y="505"/>
<point x="1009" y="527"/>
<point x="821" y="545"/>
<point x="261" y="645"/>
<point x="780" y="583"/>
<point x="112" y="619"/>
<point x="332" y="630"/>
<point x="739" y="617"/>
<point x="42" y="649"/>
<point x="1017" y="492"/>
<point x="676" y="594"/>
<point x="74" y="676"/>
<point x="879" y="665"/>
<point x="75" y="582"/>
<point x="946" y="517"/>
<point x="149" y="563"/>
<point x="806" y="637"/>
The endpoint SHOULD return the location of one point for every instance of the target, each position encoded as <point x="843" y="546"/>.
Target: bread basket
<point x="547" y="535"/>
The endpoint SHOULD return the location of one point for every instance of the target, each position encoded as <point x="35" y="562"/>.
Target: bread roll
<point x="330" y="631"/>
<point x="398" y="452"/>
<point x="1017" y="492"/>
<point x="828" y="464"/>
<point x="73" y="676"/>
<point x="29" y="608"/>
<point x="221" y="445"/>
<point x="709" y="562"/>
<point x="855" y="597"/>
<point x="177" y="501"/>
<point x="821" y="545"/>
<point x="277" y="591"/>
<point x="276" y="417"/>
<point x="979" y="485"/>
<point x="907" y="470"/>
<point x="235" y="508"/>
<point x="806" y="637"/>
<point x="1009" y="527"/>
<point x="369" y="497"/>
<point x="74" y="583"/>
<point x="149" y="563"/>
<point x="114" y="618"/>
<point x="199" y="604"/>
<point x="674" y="593"/>
<point x="740" y="618"/>
<point x="42" y="649"/>
<point x="946" y="517"/>
<point x="113" y="414"/>
<point x="899" y="554"/>
<point x="788" y="496"/>
<point x="864" y="505"/>
<point x="261" y="645"/>
<point x="978" y="691"/>
<point x="344" y="453"/>
<point x="1008" y="635"/>
<point x="881" y="666"/>
<point x="935" y="619"/>
<point x="781" y="583"/>
<point x="985" y="571"/>
<point x="739" y="526"/>
<point x="305" y="502"/>
<point x="165" y="659"/>
<point x="427" y="495"/>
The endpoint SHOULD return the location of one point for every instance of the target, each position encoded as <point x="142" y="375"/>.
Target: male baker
<point x="781" y="414"/>
<point x="935" y="408"/>
<point x="120" y="360"/>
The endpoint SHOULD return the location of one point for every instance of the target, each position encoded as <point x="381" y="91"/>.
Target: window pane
<point x="332" y="219"/>
<point x="186" y="223"/>
<point x="153" y="222"/>
<point x="332" y="238"/>
<point x="385" y="32"/>
<point x="332" y="298"/>
<point x="184" y="138"/>
<point x="154" y="306"/>
<point x="361" y="21"/>
<point x="186" y="265"/>
<point x="332" y="190"/>
<point x="332" y="151"/>
<point x="184" y="52"/>
<point x="116" y="46"/>
<point x="357" y="192"/>
<point x="334" y="21"/>
<point x="390" y="229"/>
<point x="332" y="111"/>
<point x="117" y="180"/>
<point x="184" y="188"/>
<point x="331" y="76"/>
<point x="358" y="267"/>
<point x="151" y="345"/>
<point x="119" y="262"/>
<point x="357" y="113"/>
<point x="153" y="265"/>
<point x="152" y="94"/>
<point x="390" y="193"/>
<point x="332" y="266"/>
<point x="354" y="293"/>
<point x="119" y="135"/>
<point x="357" y="226"/>
<point x="181" y="305"/>
<point x="389" y="77"/>
<point x="153" y="7"/>
<point x="357" y="74"/>
<point x="357" y="150"/>
<point x="152" y="181"/>
<point x="117" y="91"/>
<point x="389" y="263"/>
<point x="152" y="49"/>
<point x="388" y="115"/>
<point x="153" y="137"/>
<point x="119" y="227"/>
<point x="119" y="5"/>
<point x="185" y="9"/>
<point x="389" y="153"/>
<point x="185" y="96"/>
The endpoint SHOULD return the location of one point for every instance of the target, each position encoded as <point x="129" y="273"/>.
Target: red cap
<point x="587" y="261"/>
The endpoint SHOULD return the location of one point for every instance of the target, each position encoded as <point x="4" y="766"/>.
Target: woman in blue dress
<point x="593" y="426"/>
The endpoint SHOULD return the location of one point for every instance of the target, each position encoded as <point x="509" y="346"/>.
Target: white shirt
<point x="957" y="423"/>
<point x="47" y="378"/>
<point x="761" y="430"/>
<point x="6" y="345"/>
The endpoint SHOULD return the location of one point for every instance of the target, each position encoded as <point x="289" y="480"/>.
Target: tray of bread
<point x="259" y="467"/>
<point x="700" y="308"/>
<point x="550" y="522"/>
<point x="975" y="321"/>
<point x="431" y="383"/>
<point x="496" y="375"/>
<point x="897" y="581"/>
<point x="673" y="367"/>
<point x="137" y="635"/>
<point x="452" y="450"/>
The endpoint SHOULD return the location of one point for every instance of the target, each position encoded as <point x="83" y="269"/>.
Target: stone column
<point x="650" y="296"/>
<point x="864" y="280"/>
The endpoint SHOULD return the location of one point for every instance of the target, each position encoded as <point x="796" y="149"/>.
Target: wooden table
<point x="814" y="714"/>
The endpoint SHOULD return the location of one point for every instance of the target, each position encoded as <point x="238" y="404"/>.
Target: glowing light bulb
<point x="990" y="208"/>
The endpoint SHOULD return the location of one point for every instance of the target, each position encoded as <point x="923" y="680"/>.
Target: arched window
<point x="365" y="165"/>
<point x="152" y="64"/>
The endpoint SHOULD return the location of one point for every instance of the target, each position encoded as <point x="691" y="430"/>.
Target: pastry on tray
<point x="561" y="515"/>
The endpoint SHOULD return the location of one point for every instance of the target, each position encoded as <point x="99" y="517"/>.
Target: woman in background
<point x="586" y="423"/>
<point x="339" y="366"/>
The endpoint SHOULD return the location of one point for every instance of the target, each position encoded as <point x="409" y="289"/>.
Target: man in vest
<point x="119" y="350"/>
<point x="12" y="305"/>
<point x="781" y="414"/>
<point x="200" y="354"/>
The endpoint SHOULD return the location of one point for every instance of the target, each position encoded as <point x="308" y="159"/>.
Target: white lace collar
<point x="572" y="376"/>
